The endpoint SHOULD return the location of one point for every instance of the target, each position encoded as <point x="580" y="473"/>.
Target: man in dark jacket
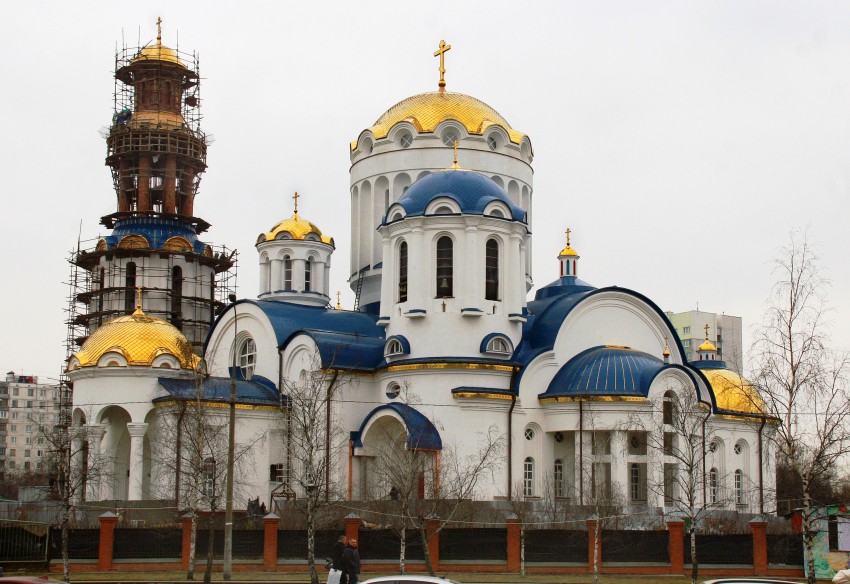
<point x="336" y="558"/>
<point x="351" y="561"/>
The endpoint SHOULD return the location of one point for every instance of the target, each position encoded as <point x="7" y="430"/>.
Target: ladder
<point x="359" y="288"/>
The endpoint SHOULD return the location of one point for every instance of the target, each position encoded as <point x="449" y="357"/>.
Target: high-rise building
<point x="26" y="407"/>
<point x="723" y="330"/>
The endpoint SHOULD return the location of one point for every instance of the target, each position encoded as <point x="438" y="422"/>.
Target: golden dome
<point x="297" y="228"/>
<point x="568" y="251"/>
<point x="156" y="51"/>
<point x="707" y="346"/>
<point x="733" y="392"/>
<point x="140" y="339"/>
<point x="427" y="110"/>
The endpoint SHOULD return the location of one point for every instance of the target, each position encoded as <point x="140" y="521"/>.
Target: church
<point x="580" y="383"/>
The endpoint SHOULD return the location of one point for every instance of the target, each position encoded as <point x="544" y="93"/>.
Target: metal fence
<point x="484" y="544"/>
<point x="24" y="541"/>
<point x="556" y="545"/>
<point x="146" y="543"/>
<point x="635" y="546"/>
<point x="385" y="544"/>
<point x="720" y="549"/>
<point x="785" y="549"/>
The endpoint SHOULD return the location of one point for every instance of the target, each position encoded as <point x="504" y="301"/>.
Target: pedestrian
<point x="337" y="563"/>
<point x="351" y="561"/>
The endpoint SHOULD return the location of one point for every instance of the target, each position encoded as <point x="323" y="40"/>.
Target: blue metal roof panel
<point x="612" y="371"/>
<point x="258" y="390"/>
<point x="421" y="433"/>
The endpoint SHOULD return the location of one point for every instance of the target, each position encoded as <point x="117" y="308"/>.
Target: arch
<point x="423" y="174"/>
<point x="402" y="272"/>
<point x="445" y="267"/>
<point x="443" y="206"/>
<point x="396" y="345"/>
<point x="497" y="343"/>
<point x="498" y="135"/>
<point x="178" y="244"/>
<point x="115" y="447"/>
<point x="400" y="183"/>
<point x="740" y="498"/>
<point x="421" y="433"/>
<point x="498" y="180"/>
<point x="513" y="193"/>
<point x="491" y="269"/>
<point x="364" y="234"/>
<point x="670" y="407"/>
<point x="134" y="241"/>
<point x="713" y="486"/>
<point x="380" y="203"/>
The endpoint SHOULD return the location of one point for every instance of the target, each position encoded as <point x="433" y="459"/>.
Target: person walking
<point x="337" y="562"/>
<point x="351" y="561"/>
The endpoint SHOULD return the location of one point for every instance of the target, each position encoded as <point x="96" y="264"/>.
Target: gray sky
<point x="681" y="141"/>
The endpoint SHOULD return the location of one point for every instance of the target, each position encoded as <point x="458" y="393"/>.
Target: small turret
<point x="707" y="351"/>
<point x="568" y="258"/>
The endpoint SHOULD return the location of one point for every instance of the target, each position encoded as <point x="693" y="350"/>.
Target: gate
<point x="24" y="541"/>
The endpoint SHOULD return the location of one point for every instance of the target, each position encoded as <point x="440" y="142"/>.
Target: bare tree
<point x="312" y="440"/>
<point x="803" y="382"/>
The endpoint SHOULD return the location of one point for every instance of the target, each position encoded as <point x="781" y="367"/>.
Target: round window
<point x="393" y="389"/>
<point x="406" y="140"/>
<point x="449" y="139"/>
<point x="491" y="142"/>
<point x="559" y="437"/>
<point x="738" y="448"/>
<point x="529" y="434"/>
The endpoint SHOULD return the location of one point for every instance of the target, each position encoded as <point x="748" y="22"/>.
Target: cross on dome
<point x="295" y="197"/>
<point x="338" y="305"/>
<point x="706" y="331"/>
<point x="138" y="298"/>
<point x="454" y="164"/>
<point x="568" y="231"/>
<point x="441" y="52"/>
<point x="159" y="29"/>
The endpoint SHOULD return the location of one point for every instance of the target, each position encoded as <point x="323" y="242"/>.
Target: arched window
<point x="713" y="485"/>
<point x="739" y="487"/>
<point x="637" y="482"/>
<point x="499" y="345"/>
<point x="287" y="273"/>
<point x="394" y="347"/>
<point x="176" y="296"/>
<point x="308" y="275"/>
<point x="491" y="270"/>
<point x="247" y="357"/>
<point x="669" y="407"/>
<point x="445" y="267"/>
<point x="558" y="475"/>
<point x="130" y="288"/>
<point x="528" y="477"/>
<point x="402" y="272"/>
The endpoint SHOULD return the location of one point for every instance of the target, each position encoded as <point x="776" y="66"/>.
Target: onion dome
<point x="707" y="346"/>
<point x="140" y="339"/>
<point x="295" y="228"/>
<point x="732" y="392"/>
<point x="474" y="193"/>
<point x="428" y="110"/>
<point x="707" y="351"/>
<point x="156" y="51"/>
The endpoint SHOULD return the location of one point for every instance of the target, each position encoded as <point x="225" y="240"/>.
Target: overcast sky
<point x="681" y="141"/>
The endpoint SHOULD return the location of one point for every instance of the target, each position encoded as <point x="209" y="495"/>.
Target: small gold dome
<point x="156" y="51"/>
<point x="140" y="339"/>
<point x="568" y="251"/>
<point x="297" y="228"/>
<point x="707" y="346"/>
<point x="733" y="392"/>
<point x="427" y="110"/>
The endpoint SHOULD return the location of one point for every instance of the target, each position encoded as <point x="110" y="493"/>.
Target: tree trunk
<point x="694" y="562"/>
<point x="210" y="544"/>
<point x="522" y="551"/>
<point x="311" y="539"/>
<point x="808" y="532"/>
<point x="424" y="536"/>
<point x="193" y="536"/>
<point x="596" y="552"/>
<point x="402" y="548"/>
<point x="66" y="563"/>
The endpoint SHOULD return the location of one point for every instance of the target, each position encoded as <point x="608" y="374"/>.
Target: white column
<point x="298" y="274"/>
<point x="473" y="293"/>
<point x="95" y="434"/>
<point x="137" y="436"/>
<point x="319" y="284"/>
<point x="389" y="280"/>
<point x="275" y="282"/>
<point x="264" y="277"/>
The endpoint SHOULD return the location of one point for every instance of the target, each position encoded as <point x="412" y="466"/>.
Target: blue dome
<point x="605" y="371"/>
<point x="156" y="230"/>
<point x="563" y="286"/>
<point x="470" y="190"/>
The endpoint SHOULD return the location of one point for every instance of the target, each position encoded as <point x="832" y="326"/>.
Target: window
<point x="669" y="443"/>
<point x="686" y="330"/>
<point x="277" y="472"/>
<point x="491" y="270"/>
<point x="445" y="266"/>
<point x="559" y="437"/>
<point x="30" y="392"/>
<point x="669" y="407"/>
<point x="29" y="428"/>
<point x="738" y="448"/>
<point x="402" y="272"/>
<point x="394" y="347"/>
<point x="13" y="439"/>
<point x="449" y="139"/>
<point x="130" y="288"/>
<point x="558" y="475"/>
<point x="247" y="358"/>
<point x="177" y="296"/>
<point x="528" y="477"/>
<point x="529" y="433"/>
<point x="27" y="453"/>
<point x="739" y="487"/>
<point x="287" y="273"/>
<point x="669" y="483"/>
<point x="637" y="443"/>
<point x="637" y="482"/>
<point x="393" y="389"/>
<point x="600" y="443"/>
<point x="308" y="275"/>
<point x="713" y="485"/>
<point x="406" y="140"/>
<point x="499" y="345"/>
<point x="208" y="476"/>
<point x="491" y="142"/>
<point x="41" y="393"/>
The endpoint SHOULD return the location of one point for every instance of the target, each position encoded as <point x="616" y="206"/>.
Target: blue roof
<point x="157" y="230"/>
<point x="609" y="371"/>
<point x="258" y="390"/>
<point x="421" y="433"/>
<point x="561" y="286"/>
<point x="346" y="340"/>
<point x="470" y="190"/>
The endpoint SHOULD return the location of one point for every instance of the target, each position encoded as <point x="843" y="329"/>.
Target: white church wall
<point x="238" y="323"/>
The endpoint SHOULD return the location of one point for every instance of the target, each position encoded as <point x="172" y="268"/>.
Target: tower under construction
<point x="157" y="153"/>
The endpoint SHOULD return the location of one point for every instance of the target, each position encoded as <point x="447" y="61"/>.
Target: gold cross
<point x="139" y="298"/>
<point x="158" y="29"/>
<point x="296" y="196"/>
<point x="338" y="305"/>
<point x="441" y="52"/>
<point x="568" y="231"/>
<point x="706" y="331"/>
<point x="455" y="162"/>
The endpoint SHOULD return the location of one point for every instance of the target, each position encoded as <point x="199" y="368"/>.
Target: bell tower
<point x="157" y="152"/>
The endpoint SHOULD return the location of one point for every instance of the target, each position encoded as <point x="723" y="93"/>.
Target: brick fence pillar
<point x="186" y="544"/>
<point x="352" y="526"/>
<point x="513" y="544"/>
<point x="675" y="540"/>
<point x="107" y="540"/>
<point x="759" y="529"/>
<point x="432" y="533"/>
<point x="271" y="523"/>
<point x="592" y="525"/>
